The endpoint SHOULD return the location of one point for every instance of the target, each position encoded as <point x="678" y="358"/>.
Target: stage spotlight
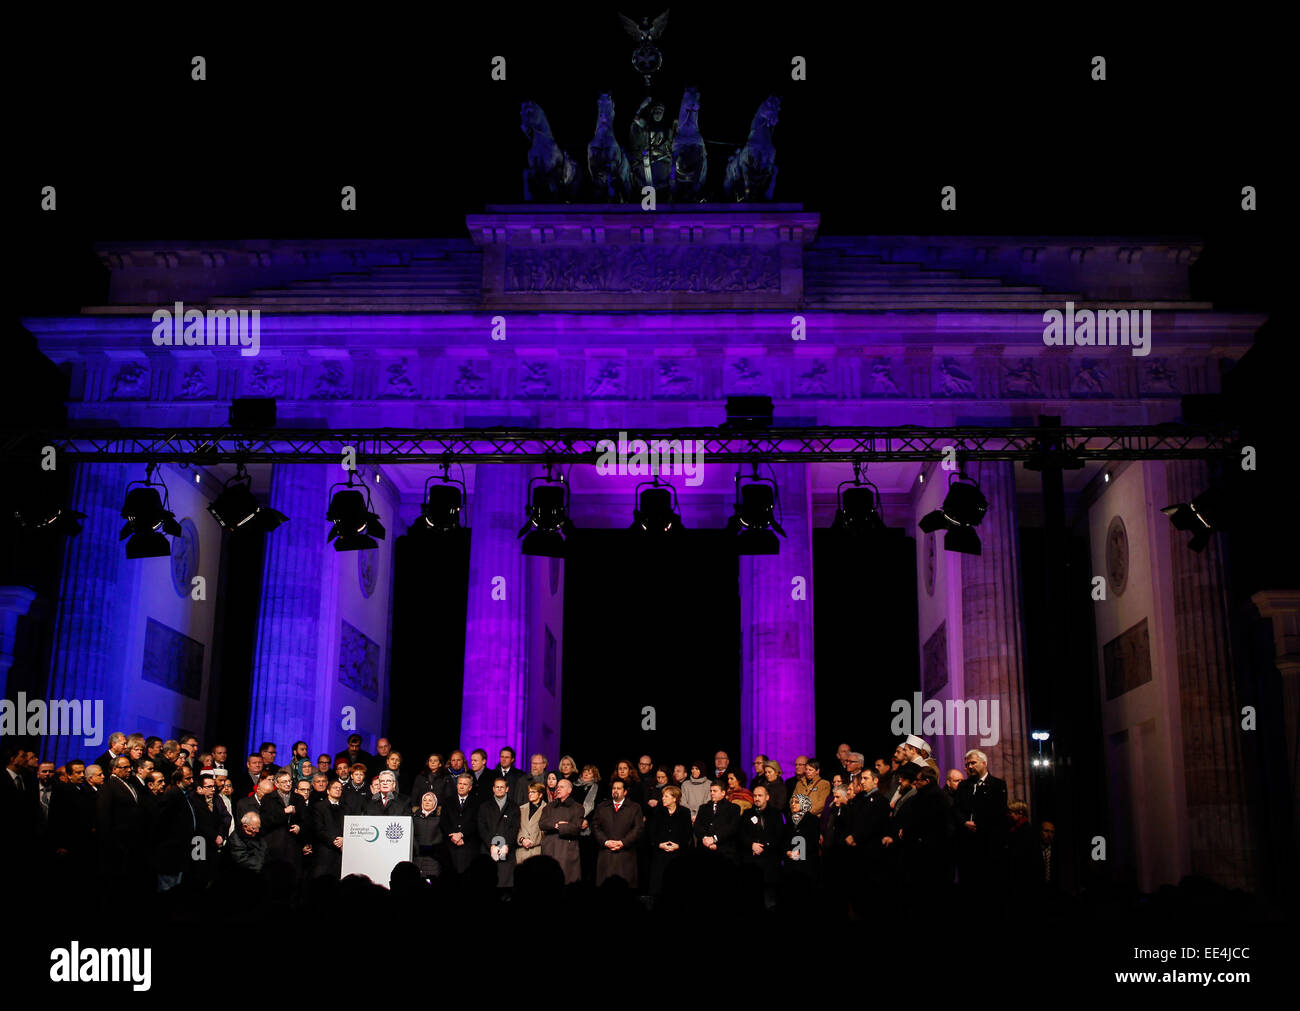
<point x="355" y="524"/>
<point x="858" y="511"/>
<point x="657" y="514"/>
<point x="440" y="514"/>
<point x="548" y="527"/>
<point x="963" y="508"/>
<point x="1203" y="515"/>
<point x="148" y="518"/>
<point x="754" y="524"/>
<point x="236" y="508"/>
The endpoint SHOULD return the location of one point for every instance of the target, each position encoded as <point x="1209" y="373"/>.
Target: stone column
<point x="992" y="623"/>
<point x="496" y="627"/>
<point x="14" y="602"/>
<point x="1283" y="607"/>
<point x="777" y="711"/>
<point x="1211" y="718"/>
<point x="288" y="684"/>
<point x="87" y="658"/>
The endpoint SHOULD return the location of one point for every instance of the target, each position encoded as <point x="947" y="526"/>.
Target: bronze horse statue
<point x="751" y="171"/>
<point x="551" y="173"/>
<point x="690" y="164"/>
<point x="611" y="175"/>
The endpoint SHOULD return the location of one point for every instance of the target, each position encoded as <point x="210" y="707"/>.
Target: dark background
<point x="894" y="107"/>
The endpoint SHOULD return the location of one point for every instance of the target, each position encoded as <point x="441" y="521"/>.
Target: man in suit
<point x="762" y="830"/>
<point x="460" y="824"/>
<point x="72" y="817"/>
<point x="717" y="823"/>
<point x="617" y="824"/>
<point x="213" y="823"/>
<point x="18" y="816"/>
<point x="119" y="824"/>
<point x="174" y="831"/>
<point x="282" y="821"/>
<point x="116" y="746"/>
<point x="388" y="801"/>
<point x="561" y="823"/>
<point x="800" y="770"/>
<point x="254" y="803"/>
<point x="327" y="832"/>
<point x="516" y="781"/>
<point x="924" y="834"/>
<point x="354" y="754"/>
<point x="722" y="765"/>
<point x="497" y="822"/>
<point x="479" y="772"/>
<point x="870" y="824"/>
<point x="536" y="773"/>
<point x="982" y="801"/>
<point x="267" y="751"/>
<point x="244" y="781"/>
<point x="169" y="754"/>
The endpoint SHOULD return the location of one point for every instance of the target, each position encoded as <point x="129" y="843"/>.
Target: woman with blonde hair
<point x="530" y="823"/>
<point x="569" y="769"/>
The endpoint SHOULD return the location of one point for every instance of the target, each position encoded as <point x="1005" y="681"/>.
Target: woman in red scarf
<point x="738" y="793"/>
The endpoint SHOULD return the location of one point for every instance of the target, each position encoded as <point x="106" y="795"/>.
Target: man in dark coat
<point x="982" y="802"/>
<point x="213" y="824"/>
<point x="282" y="822"/>
<point x="923" y="830"/>
<point x="327" y="832"/>
<point x="388" y="802"/>
<point x="762" y="830"/>
<point x="516" y="781"/>
<point x="460" y="825"/>
<point x="354" y="754"/>
<point x="869" y="819"/>
<point x="498" y="830"/>
<point x="119" y="822"/>
<point x="616" y="824"/>
<point x="561" y="823"/>
<point x="717" y="823"/>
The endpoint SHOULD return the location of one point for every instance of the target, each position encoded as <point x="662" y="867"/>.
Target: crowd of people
<point x="160" y="815"/>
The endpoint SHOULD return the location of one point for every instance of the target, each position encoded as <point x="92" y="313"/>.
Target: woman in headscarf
<point x="303" y="769"/>
<point x="802" y="840"/>
<point x="737" y="792"/>
<point x="427" y="832"/>
<point x="695" y="791"/>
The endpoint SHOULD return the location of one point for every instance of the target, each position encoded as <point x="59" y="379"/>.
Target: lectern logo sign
<point x="394" y="832"/>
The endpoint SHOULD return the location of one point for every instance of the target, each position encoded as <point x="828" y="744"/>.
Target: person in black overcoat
<point x="670" y="831"/>
<point x="429" y="841"/>
<point x="498" y="819"/>
<point x="460" y="825"/>
<point x="717" y="823"/>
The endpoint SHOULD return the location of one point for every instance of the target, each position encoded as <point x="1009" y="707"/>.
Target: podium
<point x="374" y="846"/>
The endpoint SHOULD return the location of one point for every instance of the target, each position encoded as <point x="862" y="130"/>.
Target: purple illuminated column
<point x="776" y="684"/>
<point x="87" y="658"/>
<point x="1218" y="817"/>
<point x="288" y="682"/>
<point x="992" y="628"/>
<point x="496" y="637"/>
